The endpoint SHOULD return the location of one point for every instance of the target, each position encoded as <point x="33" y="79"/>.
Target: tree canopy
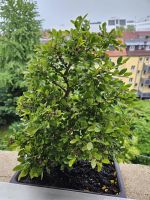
<point x="20" y="33"/>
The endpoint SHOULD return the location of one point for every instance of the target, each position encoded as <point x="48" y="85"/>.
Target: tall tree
<point x="130" y="28"/>
<point x="20" y="33"/>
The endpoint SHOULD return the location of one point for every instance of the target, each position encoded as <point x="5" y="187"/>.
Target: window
<point x="132" y="67"/>
<point x="147" y="48"/>
<point x="116" y="21"/>
<point x="130" y="80"/>
<point x="140" y="47"/>
<point x="111" y="22"/>
<point x="132" y="48"/>
<point x="138" y="71"/>
<point x="147" y="58"/>
<point x="141" y="84"/>
<point x="141" y="59"/>
<point x="147" y="36"/>
<point x="122" y="22"/>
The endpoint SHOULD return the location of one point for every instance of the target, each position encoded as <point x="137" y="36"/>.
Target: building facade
<point x="113" y="23"/>
<point x="138" y="52"/>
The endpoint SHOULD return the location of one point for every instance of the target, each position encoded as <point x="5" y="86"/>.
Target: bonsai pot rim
<point x="122" y="193"/>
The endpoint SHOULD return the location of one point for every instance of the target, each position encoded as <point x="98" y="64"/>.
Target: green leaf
<point x="104" y="27"/>
<point x="18" y="168"/>
<point x="125" y="60"/>
<point x="93" y="163"/>
<point x="35" y="172"/>
<point x="106" y="161"/>
<point x="32" y="130"/>
<point x="97" y="129"/>
<point x="119" y="60"/>
<point x="84" y="148"/>
<point x="127" y="74"/>
<point x="71" y="162"/>
<point x="74" y="141"/>
<point x="89" y="146"/>
<point x="109" y="130"/>
<point x="123" y="71"/>
<point x="23" y="174"/>
<point x="91" y="128"/>
<point x="99" y="166"/>
<point x="97" y="156"/>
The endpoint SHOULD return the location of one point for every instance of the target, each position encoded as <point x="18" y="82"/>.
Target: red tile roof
<point x="135" y="35"/>
<point x="116" y="53"/>
<point x="130" y="36"/>
<point x="138" y="53"/>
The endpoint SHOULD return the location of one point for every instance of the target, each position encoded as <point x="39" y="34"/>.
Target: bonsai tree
<point x="75" y="107"/>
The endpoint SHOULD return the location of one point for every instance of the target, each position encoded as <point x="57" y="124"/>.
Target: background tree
<point x="129" y="28"/>
<point x="20" y="33"/>
<point x="120" y="29"/>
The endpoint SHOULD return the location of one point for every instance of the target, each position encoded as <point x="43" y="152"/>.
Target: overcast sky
<point x="58" y="13"/>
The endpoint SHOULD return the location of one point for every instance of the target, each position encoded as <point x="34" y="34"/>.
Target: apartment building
<point x="138" y="52"/>
<point x="140" y="24"/>
<point x="115" y="22"/>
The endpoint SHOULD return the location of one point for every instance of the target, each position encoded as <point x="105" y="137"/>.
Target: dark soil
<point x="81" y="177"/>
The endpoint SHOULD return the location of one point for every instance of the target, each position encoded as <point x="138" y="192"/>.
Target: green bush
<point x="8" y="98"/>
<point x="75" y="108"/>
<point x="141" y="159"/>
<point x="3" y="132"/>
<point x="141" y="126"/>
<point x="8" y="136"/>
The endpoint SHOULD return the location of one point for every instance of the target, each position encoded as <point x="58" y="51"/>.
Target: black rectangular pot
<point x="119" y="178"/>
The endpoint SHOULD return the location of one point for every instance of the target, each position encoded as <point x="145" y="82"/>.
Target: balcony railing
<point x="146" y="81"/>
<point x="146" y="68"/>
<point x="144" y="95"/>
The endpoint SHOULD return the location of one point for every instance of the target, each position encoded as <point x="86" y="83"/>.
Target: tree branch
<point x="63" y="75"/>
<point x="57" y="84"/>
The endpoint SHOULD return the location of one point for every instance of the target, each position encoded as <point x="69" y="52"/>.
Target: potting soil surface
<point x="81" y="177"/>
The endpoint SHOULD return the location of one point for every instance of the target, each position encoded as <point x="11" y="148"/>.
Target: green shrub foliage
<point x="8" y="136"/>
<point x="141" y="126"/>
<point x="20" y="33"/>
<point x="75" y="107"/>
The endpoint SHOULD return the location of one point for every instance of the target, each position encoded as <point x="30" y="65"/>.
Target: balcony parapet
<point x="145" y="81"/>
<point x="146" y="68"/>
<point x="144" y="95"/>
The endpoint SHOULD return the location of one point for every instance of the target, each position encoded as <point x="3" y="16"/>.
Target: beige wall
<point x="137" y="73"/>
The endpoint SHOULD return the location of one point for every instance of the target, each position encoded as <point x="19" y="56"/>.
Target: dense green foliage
<point x="142" y="130"/>
<point x="3" y="133"/>
<point x="8" y="135"/>
<point x="20" y="32"/>
<point x="74" y="108"/>
<point x="129" y="28"/>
